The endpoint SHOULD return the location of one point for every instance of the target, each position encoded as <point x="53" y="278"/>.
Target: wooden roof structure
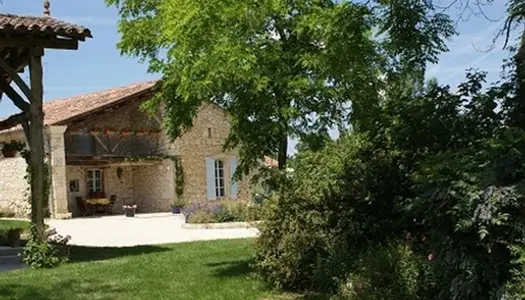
<point x="19" y="34"/>
<point x="23" y="40"/>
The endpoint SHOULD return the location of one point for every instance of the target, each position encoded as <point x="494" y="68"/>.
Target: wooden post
<point x="36" y="140"/>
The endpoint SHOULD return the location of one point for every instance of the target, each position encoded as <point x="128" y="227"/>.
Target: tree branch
<point x="14" y="120"/>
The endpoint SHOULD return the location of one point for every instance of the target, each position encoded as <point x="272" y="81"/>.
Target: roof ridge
<point x="58" y="100"/>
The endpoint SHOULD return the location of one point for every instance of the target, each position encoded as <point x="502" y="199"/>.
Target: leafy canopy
<point x="280" y="68"/>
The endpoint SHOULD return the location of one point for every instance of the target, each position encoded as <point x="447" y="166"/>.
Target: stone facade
<point x="205" y="140"/>
<point x="154" y="187"/>
<point x="13" y="186"/>
<point x="150" y="185"/>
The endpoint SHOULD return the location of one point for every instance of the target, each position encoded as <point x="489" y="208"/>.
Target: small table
<point x="98" y="201"/>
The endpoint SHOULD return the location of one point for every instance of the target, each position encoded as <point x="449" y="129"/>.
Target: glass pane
<point x="221" y="183"/>
<point x="222" y="192"/>
<point x="221" y="164"/>
<point x="221" y="173"/>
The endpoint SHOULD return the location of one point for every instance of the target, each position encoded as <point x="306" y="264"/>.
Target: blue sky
<point x="98" y="65"/>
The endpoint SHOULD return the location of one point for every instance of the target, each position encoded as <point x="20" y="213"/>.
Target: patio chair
<point x="82" y="206"/>
<point x="112" y="200"/>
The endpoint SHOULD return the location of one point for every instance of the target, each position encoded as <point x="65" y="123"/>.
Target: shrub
<point x="392" y="271"/>
<point x="225" y="211"/>
<point x="43" y="254"/>
<point x="7" y="213"/>
<point x="200" y="217"/>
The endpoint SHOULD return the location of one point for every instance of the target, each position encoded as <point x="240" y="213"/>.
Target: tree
<point x="280" y="68"/>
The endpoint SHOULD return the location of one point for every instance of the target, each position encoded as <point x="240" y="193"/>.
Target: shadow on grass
<point x="232" y="268"/>
<point x="84" y="254"/>
<point x="67" y="289"/>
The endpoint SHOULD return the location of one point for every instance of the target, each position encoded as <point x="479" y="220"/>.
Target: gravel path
<point x="143" y="229"/>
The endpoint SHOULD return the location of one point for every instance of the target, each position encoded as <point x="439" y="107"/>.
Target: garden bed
<point x="224" y="214"/>
<point x="224" y="225"/>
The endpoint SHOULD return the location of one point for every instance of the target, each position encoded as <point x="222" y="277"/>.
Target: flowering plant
<point x="132" y="206"/>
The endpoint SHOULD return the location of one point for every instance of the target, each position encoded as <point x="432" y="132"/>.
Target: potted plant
<point x="129" y="210"/>
<point x="177" y="206"/>
<point x="9" y="150"/>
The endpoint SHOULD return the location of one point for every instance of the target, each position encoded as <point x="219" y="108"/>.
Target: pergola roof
<point x="46" y="26"/>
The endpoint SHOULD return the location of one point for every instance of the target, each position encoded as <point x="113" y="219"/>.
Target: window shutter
<point x="210" y="178"/>
<point x="234" y="188"/>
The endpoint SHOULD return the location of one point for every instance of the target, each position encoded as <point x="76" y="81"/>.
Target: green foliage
<point x="392" y="271"/>
<point x="179" y="202"/>
<point x="442" y="166"/>
<point x="179" y="179"/>
<point x="225" y="211"/>
<point x="285" y="69"/>
<point x="41" y="254"/>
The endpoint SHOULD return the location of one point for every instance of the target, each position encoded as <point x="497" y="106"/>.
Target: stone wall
<point x="13" y="185"/>
<point x="154" y="187"/>
<point x="206" y="139"/>
<point x="123" y="188"/>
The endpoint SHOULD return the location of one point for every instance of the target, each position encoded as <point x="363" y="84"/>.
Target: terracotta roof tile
<point x="43" y="25"/>
<point x="59" y="111"/>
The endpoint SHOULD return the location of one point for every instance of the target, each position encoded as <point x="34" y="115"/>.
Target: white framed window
<point x="220" y="191"/>
<point x="218" y="186"/>
<point x="94" y="181"/>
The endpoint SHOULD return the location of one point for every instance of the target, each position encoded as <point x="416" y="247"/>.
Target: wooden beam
<point x="13" y="95"/>
<point x="13" y="121"/>
<point x="44" y="43"/>
<point x="16" y="78"/>
<point x="36" y="139"/>
<point x="101" y="143"/>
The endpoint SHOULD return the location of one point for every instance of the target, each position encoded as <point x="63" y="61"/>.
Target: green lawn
<point x="200" y="270"/>
<point x="8" y="224"/>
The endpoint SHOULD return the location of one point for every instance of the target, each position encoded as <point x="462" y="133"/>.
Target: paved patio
<point x="143" y="229"/>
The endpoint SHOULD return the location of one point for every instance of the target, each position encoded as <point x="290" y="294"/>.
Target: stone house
<point x="103" y="144"/>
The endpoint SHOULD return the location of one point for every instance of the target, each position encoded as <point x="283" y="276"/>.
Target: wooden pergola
<point x="23" y="40"/>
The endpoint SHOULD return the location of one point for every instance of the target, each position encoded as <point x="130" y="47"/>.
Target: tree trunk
<point x="36" y="141"/>
<point x="283" y="151"/>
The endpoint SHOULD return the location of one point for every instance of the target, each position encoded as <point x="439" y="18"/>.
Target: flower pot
<point x="175" y="210"/>
<point x="9" y="153"/>
<point x="125" y="133"/>
<point x="130" y="212"/>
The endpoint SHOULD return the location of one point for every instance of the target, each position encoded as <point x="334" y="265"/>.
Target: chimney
<point x="47" y="5"/>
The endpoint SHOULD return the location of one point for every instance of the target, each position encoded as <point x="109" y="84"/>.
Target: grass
<point x="11" y="224"/>
<point x="200" y="270"/>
